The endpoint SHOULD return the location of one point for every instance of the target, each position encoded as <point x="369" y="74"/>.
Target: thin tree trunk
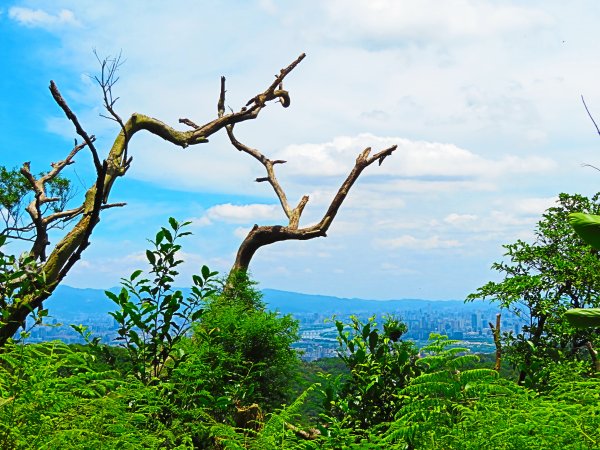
<point x="497" y="342"/>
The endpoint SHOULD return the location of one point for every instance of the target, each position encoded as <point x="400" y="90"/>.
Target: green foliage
<point x="16" y="192"/>
<point x="587" y="226"/>
<point x="153" y="317"/>
<point x="566" y="417"/>
<point x="277" y="431"/>
<point x="541" y="282"/>
<point x="380" y="364"/>
<point x="311" y="373"/>
<point x="18" y="275"/>
<point x="54" y="397"/>
<point x="13" y="187"/>
<point x="58" y="396"/>
<point x="244" y="350"/>
<point x="238" y="289"/>
<point x="583" y="318"/>
<point x="437" y="397"/>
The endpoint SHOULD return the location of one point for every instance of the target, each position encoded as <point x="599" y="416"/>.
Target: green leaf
<point x="197" y="280"/>
<point x="167" y="234"/>
<point x="587" y="226"/>
<point x="173" y="223"/>
<point x="112" y="296"/>
<point x="135" y="274"/>
<point x="373" y="339"/>
<point x="205" y="272"/>
<point x="583" y="318"/>
<point x="135" y="338"/>
<point x="197" y="314"/>
<point x="151" y="257"/>
<point x="366" y="331"/>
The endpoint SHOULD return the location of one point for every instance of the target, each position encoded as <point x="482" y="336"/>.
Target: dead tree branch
<point x="67" y="252"/>
<point x="260" y="236"/>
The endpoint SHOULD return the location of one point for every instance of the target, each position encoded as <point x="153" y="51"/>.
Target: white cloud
<point x="241" y="232"/>
<point x="396" y="269"/>
<point x="534" y="206"/>
<point x="230" y="213"/>
<point x="395" y="22"/>
<point x="537" y="137"/>
<point x="268" y="6"/>
<point x="459" y="219"/>
<point x="411" y="242"/>
<point x="429" y="161"/>
<point x="40" y="18"/>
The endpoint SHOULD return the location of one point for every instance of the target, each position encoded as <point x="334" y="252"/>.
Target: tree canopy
<point x="543" y="279"/>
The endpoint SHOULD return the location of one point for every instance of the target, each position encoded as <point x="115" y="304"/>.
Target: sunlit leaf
<point x="587" y="226"/>
<point x="583" y="318"/>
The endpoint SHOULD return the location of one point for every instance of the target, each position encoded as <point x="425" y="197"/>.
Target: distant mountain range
<point x="68" y="302"/>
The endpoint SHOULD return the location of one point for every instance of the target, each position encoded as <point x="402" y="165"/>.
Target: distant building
<point x="474" y="322"/>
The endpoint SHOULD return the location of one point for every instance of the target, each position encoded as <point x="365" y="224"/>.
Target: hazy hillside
<point x="69" y="302"/>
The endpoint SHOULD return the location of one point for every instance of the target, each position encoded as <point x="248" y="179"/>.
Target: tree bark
<point x="535" y="338"/>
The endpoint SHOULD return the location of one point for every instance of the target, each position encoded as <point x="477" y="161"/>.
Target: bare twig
<point x="258" y="102"/>
<point x="89" y="140"/>
<point x="268" y="164"/>
<point x="221" y="103"/>
<point x="589" y="165"/>
<point x="189" y="123"/>
<point x="108" y="79"/>
<point x="589" y="114"/>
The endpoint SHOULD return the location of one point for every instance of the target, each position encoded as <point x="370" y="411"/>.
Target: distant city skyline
<point x="482" y="98"/>
<point x="468" y="323"/>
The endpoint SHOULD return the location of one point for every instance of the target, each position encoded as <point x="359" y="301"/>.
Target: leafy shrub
<point x="153" y="317"/>
<point x="380" y="364"/>
<point x="243" y="350"/>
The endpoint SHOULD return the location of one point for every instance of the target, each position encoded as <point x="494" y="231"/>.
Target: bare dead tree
<point x="260" y="236"/>
<point x="54" y="264"/>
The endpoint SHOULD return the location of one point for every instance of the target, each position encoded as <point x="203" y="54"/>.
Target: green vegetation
<point x="215" y="369"/>
<point x="543" y="280"/>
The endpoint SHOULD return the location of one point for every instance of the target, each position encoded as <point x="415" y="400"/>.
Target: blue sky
<point x="482" y="98"/>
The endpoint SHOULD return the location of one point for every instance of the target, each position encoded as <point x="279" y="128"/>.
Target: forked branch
<point x="260" y="236"/>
